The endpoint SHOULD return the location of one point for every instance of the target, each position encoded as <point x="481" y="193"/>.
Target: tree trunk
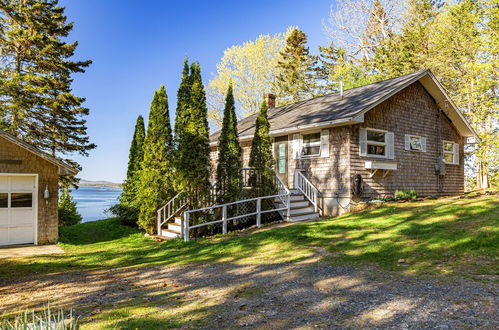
<point x="482" y="180"/>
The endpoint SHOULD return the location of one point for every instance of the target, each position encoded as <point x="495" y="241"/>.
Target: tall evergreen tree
<point x="135" y="158"/>
<point x="35" y="80"/>
<point x="183" y="100"/>
<point x="295" y="80"/>
<point x="194" y="151"/>
<point x="156" y="168"/>
<point x="328" y="63"/>
<point x="261" y="158"/>
<point x="230" y="153"/>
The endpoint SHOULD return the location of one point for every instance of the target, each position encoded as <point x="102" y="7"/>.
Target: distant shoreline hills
<point x="90" y="183"/>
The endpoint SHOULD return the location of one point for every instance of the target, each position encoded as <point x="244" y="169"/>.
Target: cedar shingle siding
<point x="411" y="110"/>
<point x="47" y="175"/>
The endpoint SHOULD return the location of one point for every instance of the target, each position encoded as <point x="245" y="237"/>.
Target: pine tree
<point x="35" y="81"/>
<point x="328" y="59"/>
<point x="408" y="51"/>
<point x="128" y="208"/>
<point x="295" y="80"/>
<point x="67" y="212"/>
<point x="193" y="155"/>
<point x="261" y="158"/>
<point x="230" y="153"/>
<point x="156" y="168"/>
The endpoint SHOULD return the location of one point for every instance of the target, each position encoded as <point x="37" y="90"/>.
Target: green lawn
<point x="434" y="236"/>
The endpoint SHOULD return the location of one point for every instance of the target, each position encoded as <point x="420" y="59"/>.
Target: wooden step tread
<point x="301" y="207"/>
<point x="170" y="231"/>
<point x="302" y="213"/>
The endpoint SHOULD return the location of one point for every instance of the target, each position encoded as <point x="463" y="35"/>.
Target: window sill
<point x="310" y="157"/>
<point x="375" y="156"/>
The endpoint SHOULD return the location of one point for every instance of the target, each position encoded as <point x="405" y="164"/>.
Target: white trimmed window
<point x="415" y="143"/>
<point x="450" y="152"/>
<point x="311" y="144"/>
<point x="376" y="143"/>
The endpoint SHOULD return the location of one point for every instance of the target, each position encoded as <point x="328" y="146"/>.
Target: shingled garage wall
<point x="14" y="159"/>
<point x="411" y="111"/>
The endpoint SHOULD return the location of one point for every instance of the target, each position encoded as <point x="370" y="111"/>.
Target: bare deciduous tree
<point x="359" y="26"/>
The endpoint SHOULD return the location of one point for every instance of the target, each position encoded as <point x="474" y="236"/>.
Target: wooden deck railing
<point x="283" y="194"/>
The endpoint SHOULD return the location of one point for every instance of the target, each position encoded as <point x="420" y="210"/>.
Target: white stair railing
<point x="307" y="189"/>
<point x="283" y="194"/>
<point x="171" y="208"/>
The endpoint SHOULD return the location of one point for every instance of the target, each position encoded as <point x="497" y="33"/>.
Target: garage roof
<point x="349" y="108"/>
<point x="64" y="168"/>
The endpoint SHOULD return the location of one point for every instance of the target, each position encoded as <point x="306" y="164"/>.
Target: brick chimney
<point x="270" y="100"/>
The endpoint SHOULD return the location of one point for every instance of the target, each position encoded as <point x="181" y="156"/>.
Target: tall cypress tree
<point x="229" y="153"/>
<point x="183" y="100"/>
<point x="35" y="82"/>
<point x="135" y="158"/>
<point x="156" y="168"/>
<point x="295" y="80"/>
<point x="193" y="153"/>
<point x="261" y="158"/>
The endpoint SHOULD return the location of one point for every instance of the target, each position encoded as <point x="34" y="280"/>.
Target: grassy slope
<point x="434" y="236"/>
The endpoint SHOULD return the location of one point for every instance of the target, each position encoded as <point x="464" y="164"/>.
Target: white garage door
<point x="17" y="209"/>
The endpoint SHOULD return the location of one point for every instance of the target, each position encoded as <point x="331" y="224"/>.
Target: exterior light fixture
<point x="46" y="193"/>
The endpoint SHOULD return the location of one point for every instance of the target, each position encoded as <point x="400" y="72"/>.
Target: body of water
<point x="93" y="201"/>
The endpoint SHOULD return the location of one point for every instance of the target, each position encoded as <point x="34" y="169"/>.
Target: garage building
<point x="28" y="192"/>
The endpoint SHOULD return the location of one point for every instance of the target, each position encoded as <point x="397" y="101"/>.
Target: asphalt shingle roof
<point x="328" y="108"/>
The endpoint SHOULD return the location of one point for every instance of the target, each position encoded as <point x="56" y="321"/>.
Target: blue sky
<point x="138" y="45"/>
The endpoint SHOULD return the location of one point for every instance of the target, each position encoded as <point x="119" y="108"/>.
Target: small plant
<point x="388" y="198"/>
<point x="45" y="320"/>
<point x="401" y="195"/>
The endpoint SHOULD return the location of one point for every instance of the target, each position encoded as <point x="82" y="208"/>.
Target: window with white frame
<point x="450" y="152"/>
<point x="415" y="143"/>
<point x="311" y="144"/>
<point x="376" y="143"/>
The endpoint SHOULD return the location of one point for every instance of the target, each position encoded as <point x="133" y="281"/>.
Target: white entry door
<point x="17" y="209"/>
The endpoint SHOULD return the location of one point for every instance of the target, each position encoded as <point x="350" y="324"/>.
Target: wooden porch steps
<point x="301" y="209"/>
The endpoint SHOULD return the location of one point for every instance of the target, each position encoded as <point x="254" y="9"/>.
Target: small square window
<point x="415" y="143"/>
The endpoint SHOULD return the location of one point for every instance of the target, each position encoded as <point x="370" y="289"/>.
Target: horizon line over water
<point x="92" y="202"/>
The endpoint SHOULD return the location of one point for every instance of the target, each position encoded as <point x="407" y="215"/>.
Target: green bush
<point x="405" y="195"/>
<point x="68" y="214"/>
<point x="126" y="214"/>
<point x="46" y="320"/>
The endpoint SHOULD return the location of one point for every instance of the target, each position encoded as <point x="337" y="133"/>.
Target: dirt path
<point x="311" y="294"/>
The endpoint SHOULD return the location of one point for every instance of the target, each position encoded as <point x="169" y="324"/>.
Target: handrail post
<point x="224" y="219"/>
<point x="186" y="229"/>
<point x="159" y="222"/>
<point x="288" y="211"/>
<point x="258" y="212"/>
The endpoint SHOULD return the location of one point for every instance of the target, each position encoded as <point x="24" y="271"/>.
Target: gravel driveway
<point x="311" y="293"/>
